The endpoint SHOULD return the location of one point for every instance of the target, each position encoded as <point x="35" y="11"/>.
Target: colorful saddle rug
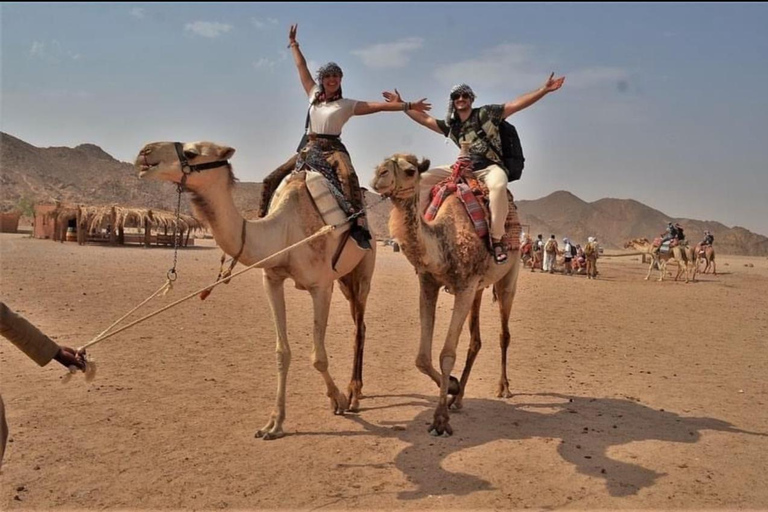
<point x="473" y="194"/>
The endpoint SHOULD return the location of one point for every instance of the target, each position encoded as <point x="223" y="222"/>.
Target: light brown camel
<point x="292" y="217"/>
<point x="682" y="255"/>
<point x="705" y="253"/>
<point x="446" y="252"/>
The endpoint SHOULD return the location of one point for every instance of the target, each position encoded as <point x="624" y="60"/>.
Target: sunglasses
<point x="463" y="95"/>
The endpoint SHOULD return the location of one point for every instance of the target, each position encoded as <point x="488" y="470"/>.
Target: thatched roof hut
<point x="108" y="223"/>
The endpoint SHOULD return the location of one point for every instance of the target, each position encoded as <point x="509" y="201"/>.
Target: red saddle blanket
<point x="474" y="196"/>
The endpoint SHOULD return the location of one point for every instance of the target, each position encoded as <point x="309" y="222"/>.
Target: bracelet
<point x="291" y="45"/>
<point x="406" y="106"/>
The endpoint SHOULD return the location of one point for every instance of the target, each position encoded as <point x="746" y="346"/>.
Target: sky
<point x="662" y="103"/>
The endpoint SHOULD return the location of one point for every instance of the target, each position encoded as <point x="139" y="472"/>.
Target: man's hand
<point x="70" y="357"/>
<point x="553" y="83"/>
<point x="392" y="97"/>
<point x="421" y="105"/>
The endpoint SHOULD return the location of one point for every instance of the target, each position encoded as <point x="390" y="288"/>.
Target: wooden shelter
<point x="9" y="222"/>
<point x="109" y="224"/>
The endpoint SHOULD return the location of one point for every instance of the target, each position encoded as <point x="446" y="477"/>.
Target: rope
<point x="322" y="231"/>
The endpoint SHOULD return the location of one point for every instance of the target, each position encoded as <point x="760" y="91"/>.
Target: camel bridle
<point x="397" y="189"/>
<point x="184" y="161"/>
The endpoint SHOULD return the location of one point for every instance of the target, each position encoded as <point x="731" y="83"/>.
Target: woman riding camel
<point x="322" y="149"/>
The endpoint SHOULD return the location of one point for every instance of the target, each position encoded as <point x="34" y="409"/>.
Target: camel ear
<point x="424" y="165"/>
<point x="225" y="152"/>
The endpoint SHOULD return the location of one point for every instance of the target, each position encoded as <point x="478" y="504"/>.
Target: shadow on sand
<point x="587" y="428"/>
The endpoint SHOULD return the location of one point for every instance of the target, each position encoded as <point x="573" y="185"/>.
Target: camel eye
<point x="384" y="172"/>
<point x="410" y="172"/>
<point x="189" y="153"/>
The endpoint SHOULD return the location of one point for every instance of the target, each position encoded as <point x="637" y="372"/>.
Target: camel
<point x="292" y="217"/>
<point x="682" y="255"/>
<point x="446" y="252"/>
<point x="705" y="253"/>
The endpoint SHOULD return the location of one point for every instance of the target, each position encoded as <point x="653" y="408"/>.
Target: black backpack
<point x="511" y="151"/>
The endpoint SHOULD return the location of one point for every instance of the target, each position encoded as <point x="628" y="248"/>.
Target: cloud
<point x="51" y="52"/>
<point x="389" y="55"/>
<point x="264" y="63"/>
<point x="38" y="49"/>
<point x="137" y="12"/>
<point x="519" y="65"/>
<point x="207" y="28"/>
<point x="505" y="64"/>
<point x="265" y="23"/>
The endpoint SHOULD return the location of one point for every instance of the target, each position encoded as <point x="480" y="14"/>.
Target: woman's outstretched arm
<point x="301" y="63"/>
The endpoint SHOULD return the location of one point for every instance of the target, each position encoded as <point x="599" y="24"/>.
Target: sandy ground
<point x="628" y="394"/>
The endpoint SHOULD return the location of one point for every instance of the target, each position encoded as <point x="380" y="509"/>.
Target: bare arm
<point x="420" y="117"/>
<point x="369" y="107"/>
<point x="526" y="100"/>
<point x="301" y="64"/>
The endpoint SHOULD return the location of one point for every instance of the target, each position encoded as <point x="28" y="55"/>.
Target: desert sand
<point x="628" y="394"/>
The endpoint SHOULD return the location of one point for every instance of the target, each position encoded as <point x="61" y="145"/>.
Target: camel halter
<point x="397" y="189"/>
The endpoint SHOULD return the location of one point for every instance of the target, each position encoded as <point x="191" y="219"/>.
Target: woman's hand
<point x="392" y="97"/>
<point x="292" y="35"/>
<point x="553" y="83"/>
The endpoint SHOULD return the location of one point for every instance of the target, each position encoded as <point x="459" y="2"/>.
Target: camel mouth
<point x="145" y="169"/>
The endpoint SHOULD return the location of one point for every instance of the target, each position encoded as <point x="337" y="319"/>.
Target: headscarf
<point x="325" y="70"/>
<point x="590" y="240"/>
<point x="461" y="88"/>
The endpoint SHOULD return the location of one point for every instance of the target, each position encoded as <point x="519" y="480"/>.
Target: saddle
<point x="473" y="194"/>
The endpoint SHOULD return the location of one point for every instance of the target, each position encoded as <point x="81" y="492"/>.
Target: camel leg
<point x="650" y="268"/>
<point x="276" y="297"/>
<point x="475" y="343"/>
<point x="321" y="300"/>
<point x="461" y="306"/>
<point x="356" y="285"/>
<point x="506" y="289"/>
<point x="428" y="291"/>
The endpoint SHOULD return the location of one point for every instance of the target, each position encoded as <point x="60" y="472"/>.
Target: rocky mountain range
<point x="87" y="174"/>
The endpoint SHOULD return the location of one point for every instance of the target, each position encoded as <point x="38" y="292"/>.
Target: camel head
<point x="398" y="175"/>
<point x="169" y="161"/>
<point x="637" y="243"/>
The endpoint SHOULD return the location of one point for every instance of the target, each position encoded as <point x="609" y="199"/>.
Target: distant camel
<point x="447" y="252"/>
<point x="680" y="254"/>
<point x="292" y="217"/>
<point x="705" y="253"/>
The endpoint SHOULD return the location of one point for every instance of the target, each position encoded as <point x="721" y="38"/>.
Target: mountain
<point x="87" y="174"/>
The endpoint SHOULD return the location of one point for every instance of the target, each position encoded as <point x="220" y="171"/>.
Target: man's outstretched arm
<point x="420" y="117"/>
<point x="526" y="100"/>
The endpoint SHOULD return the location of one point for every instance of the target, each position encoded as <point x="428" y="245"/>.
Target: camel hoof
<point x="454" y="388"/>
<point x="435" y="432"/>
<point x="270" y="436"/>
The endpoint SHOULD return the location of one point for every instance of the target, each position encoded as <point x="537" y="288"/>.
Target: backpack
<point x="549" y="246"/>
<point x="510" y="153"/>
<point x="573" y="250"/>
<point x="589" y="250"/>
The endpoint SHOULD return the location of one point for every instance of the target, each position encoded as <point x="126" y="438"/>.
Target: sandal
<point x="499" y="252"/>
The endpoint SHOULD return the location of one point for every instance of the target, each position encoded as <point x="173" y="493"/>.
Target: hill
<point x="87" y="174"/>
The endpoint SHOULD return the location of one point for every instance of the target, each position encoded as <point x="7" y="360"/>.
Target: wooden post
<point x="147" y="233"/>
<point x="186" y="242"/>
<point x="112" y="227"/>
<point x="81" y="236"/>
